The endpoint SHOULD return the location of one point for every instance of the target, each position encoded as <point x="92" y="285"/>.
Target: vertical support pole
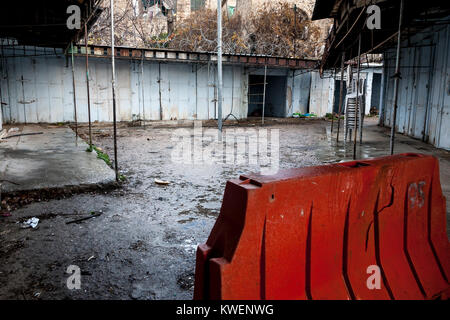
<point x="264" y="93"/>
<point x="74" y="93"/>
<point x="332" y="104"/>
<point x="215" y="93"/>
<point x="429" y="88"/>
<point x="396" y="78"/>
<point x="87" y="84"/>
<point x="23" y="92"/>
<point x="341" y="96"/>
<point x="295" y="30"/>
<point x="232" y="92"/>
<point x="196" y="91"/>
<point x="207" y="92"/>
<point x="382" y="91"/>
<point x="1" y="96"/>
<point x="219" y="64"/>
<point x="357" y="99"/>
<point x="142" y="86"/>
<point x="441" y="113"/>
<point x="23" y="97"/>
<point x="291" y="109"/>
<point x="347" y="128"/>
<point x="4" y="63"/>
<point x="160" y="96"/>
<point x="362" y="110"/>
<point x="113" y="65"/>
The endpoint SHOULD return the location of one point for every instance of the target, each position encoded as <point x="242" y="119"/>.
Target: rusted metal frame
<point x="396" y="79"/>
<point x="309" y="63"/>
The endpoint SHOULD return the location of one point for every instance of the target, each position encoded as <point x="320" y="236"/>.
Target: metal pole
<point x="87" y="85"/>
<point x="74" y="93"/>
<point x="207" y="93"/>
<point x="215" y="93"/>
<point x="295" y="30"/>
<point x="196" y="91"/>
<point x="341" y="96"/>
<point x="116" y="163"/>
<point x="396" y="78"/>
<point x="160" y="96"/>
<point x="219" y="64"/>
<point x="332" y="105"/>
<point x="264" y="93"/>
<point x="142" y="87"/>
<point x="357" y="99"/>
<point x="382" y="110"/>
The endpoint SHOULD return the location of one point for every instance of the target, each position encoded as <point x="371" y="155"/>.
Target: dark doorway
<point x="275" y="105"/>
<point x="376" y="91"/>
<point x="337" y="90"/>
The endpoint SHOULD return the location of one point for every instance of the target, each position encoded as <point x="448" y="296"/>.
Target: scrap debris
<point x="23" y="134"/>
<point x="31" y="223"/>
<point x="93" y="215"/>
<point x="162" y="182"/>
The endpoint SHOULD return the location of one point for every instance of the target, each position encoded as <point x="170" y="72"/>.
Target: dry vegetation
<point x="270" y="30"/>
<point x="273" y="29"/>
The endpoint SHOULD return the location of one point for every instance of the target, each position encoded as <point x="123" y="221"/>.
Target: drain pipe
<point x="396" y="78"/>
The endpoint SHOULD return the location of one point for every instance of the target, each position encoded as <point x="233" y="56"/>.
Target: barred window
<point x="197" y="4"/>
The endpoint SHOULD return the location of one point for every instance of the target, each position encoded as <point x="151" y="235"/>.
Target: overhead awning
<point x="44" y="22"/>
<point x="350" y="21"/>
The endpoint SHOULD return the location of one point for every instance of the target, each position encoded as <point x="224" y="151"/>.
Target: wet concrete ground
<point x="42" y="156"/>
<point x="142" y="246"/>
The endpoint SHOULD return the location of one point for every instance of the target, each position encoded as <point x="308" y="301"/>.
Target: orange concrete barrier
<point x="372" y="229"/>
